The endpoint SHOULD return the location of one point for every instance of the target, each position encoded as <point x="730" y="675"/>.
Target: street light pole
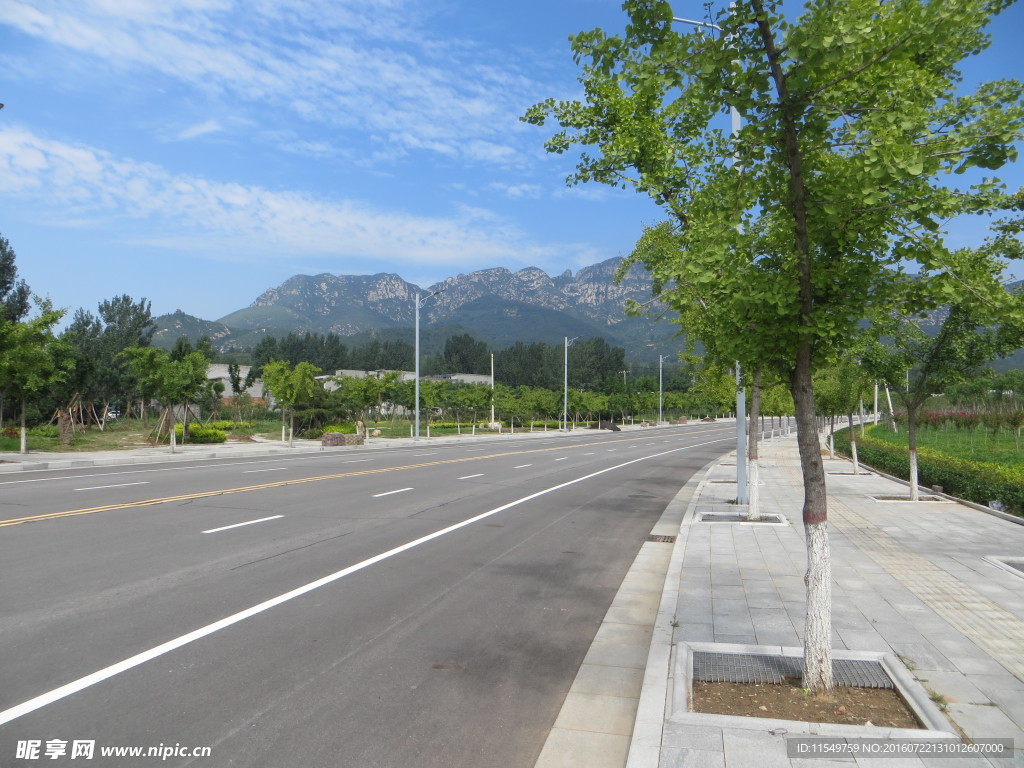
<point x="661" y="389"/>
<point x="416" y="396"/>
<point x="741" y="393"/>
<point x="419" y="303"/>
<point x="565" y="385"/>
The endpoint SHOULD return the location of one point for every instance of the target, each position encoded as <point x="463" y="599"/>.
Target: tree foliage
<point x="783" y="237"/>
<point x="14" y="293"/>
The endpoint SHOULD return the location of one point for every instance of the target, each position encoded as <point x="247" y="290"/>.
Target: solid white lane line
<point x="247" y="522"/>
<point x="271" y="469"/>
<point x="82" y="683"/>
<point x="469" y="477"/>
<point x="389" y="493"/>
<point x="101" y="487"/>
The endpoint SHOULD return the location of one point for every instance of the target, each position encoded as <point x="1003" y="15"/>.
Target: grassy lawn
<point x="980" y="444"/>
<point x="121" y="434"/>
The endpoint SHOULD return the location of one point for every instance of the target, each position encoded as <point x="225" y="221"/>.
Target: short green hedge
<point x="201" y="433"/>
<point x="344" y="429"/>
<point x="227" y="425"/>
<point x="971" y="480"/>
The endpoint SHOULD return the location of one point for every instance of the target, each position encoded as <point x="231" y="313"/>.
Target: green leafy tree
<point x="291" y="387"/>
<point x="98" y="341"/>
<point x="977" y="327"/>
<point x="32" y="360"/>
<point x="792" y="231"/>
<point x="14" y="293"/>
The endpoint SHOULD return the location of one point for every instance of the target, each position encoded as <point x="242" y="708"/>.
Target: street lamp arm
<point x="706" y="24"/>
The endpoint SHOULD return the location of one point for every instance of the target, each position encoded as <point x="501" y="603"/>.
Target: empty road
<point x="419" y="606"/>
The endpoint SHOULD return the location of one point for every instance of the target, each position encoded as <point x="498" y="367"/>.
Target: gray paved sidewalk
<point x="910" y="580"/>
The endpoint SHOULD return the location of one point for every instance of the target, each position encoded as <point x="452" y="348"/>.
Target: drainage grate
<point x="751" y="668"/>
<point x="662" y="539"/>
<point x="736" y="517"/>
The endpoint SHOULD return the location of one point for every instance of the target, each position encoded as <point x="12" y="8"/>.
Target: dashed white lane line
<point x="61" y="692"/>
<point x="101" y="487"/>
<point x="523" y="466"/>
<point x="391" y="493"/>
<point x="562" y="459"/>
<point x="269" y="469"/>
<point x="470" y="477"/>
<point x="247" y="522"/>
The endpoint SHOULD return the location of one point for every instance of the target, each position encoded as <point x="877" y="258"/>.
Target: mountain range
<point x="495" y="305"/>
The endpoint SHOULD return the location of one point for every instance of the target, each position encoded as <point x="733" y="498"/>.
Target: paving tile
<point x="583" y="749"/>
<point x="599" y="714"/>
<point x="617" y="656"/>
<point x="699" y="737"/>
<point x="608" y="681"/>
<point x="610" y="633"/>
<point x="954" y="686"/>
<point x="754" y="749"/>
<point x="980" y="722"/>
<point x="672" y="757"/>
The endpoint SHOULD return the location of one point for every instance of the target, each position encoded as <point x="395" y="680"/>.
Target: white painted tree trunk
<point x="753" y="494"/>
<point x="856" y="464"/>
<point x="818" y="618"/>
<point x="914" y="490"/>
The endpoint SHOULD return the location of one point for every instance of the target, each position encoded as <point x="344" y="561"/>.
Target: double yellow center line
<point x="280" y="484"/>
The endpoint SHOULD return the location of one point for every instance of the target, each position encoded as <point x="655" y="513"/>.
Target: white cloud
<point x="517" y="190"/>
<point x="244" y="222"/>
<point x="200" y="129"/>
<point x="367" y="66"/>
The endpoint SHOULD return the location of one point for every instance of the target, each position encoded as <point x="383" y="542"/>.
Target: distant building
<point x="468" y="378"/>
<point x="219" y="372"/>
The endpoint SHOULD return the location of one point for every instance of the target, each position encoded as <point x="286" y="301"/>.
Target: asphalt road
<point x="423" y="606"/>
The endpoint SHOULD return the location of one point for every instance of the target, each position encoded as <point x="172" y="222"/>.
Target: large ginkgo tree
<point x="783" y="236"/>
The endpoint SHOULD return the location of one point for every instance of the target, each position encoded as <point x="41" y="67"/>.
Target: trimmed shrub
<point x="345" y="429"/>
<point x="227" y="425"/>
<point x="47" y="430"/>
<point x="201" y="433"/>
<point x="971" y="480"/>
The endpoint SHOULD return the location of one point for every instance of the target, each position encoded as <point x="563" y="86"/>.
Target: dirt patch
<point x="881" y="707"/>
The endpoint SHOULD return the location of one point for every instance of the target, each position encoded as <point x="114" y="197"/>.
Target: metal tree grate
<point x="662" y="539"/>
<point x="752" y="668"/>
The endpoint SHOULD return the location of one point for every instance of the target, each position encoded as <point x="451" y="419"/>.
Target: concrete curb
<point x="645" y="744"/>
<point x="597" y="747"/>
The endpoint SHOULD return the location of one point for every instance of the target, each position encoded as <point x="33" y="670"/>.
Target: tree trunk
<point x="853" y="445"/>
<point x="912" y="448"/>
<point x="818" y="578"/>
<point x="753" y="495"/>
<point x="24" y="436"/>
<point x="65" y="425"/>
<point x="291" y="431"/>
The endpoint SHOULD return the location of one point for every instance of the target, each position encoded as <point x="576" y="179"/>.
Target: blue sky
<point x="198" y="152"/>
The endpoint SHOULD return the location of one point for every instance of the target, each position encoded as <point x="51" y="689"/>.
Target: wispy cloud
<point x="219" y="218"/>
<point x="352" y="64"/>
<point x="200" y="129"/>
